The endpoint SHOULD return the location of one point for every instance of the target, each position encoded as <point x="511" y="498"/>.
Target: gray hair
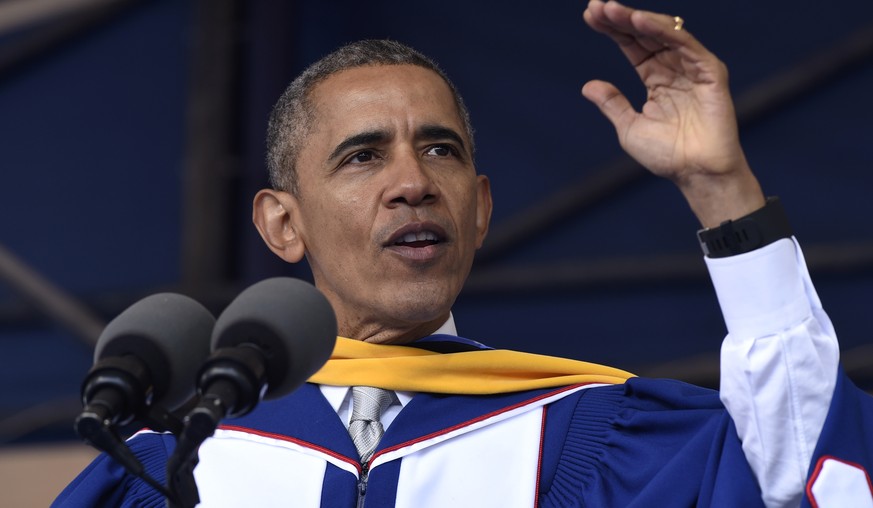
<point x="293" y="115"/>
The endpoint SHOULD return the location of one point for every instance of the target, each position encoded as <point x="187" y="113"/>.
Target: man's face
<point x="390" y="209"/>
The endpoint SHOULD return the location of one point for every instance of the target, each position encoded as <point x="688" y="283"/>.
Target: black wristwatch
<point x="761" y="227"/>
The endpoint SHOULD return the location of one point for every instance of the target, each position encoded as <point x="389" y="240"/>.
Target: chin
<point x="422" y="306"/>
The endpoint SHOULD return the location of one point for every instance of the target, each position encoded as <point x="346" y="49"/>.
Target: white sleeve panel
<point x="779" y="363"/>
<point x="838" y="484"/>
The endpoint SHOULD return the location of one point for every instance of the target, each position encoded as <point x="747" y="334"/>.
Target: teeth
<point x="418" y="237"/>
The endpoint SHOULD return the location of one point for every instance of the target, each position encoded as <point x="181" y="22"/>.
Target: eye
<point x="441" y="151"/>
<point x="361" y="157"/>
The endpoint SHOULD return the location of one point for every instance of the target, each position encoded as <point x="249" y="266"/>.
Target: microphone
<point x="267" y="342"/>
<point x="147" y="356"/>
<point x="144" y="365"/>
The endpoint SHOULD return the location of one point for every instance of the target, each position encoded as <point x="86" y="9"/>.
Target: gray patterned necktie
<point x="366" y="427"/>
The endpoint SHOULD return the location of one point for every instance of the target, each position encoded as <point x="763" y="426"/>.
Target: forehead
<point x="383" y="97"/>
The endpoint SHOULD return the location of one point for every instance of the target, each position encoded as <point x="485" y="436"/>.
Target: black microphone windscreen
<point x="170" y="333"/>
<point x="290" y="321"/>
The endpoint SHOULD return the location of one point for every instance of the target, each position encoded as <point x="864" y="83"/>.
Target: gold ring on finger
<point x="679" y="22"/>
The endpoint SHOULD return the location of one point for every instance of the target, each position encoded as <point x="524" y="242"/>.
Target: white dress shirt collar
<point x="340" y="400"/>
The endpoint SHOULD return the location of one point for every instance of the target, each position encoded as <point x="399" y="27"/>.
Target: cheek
<point x="466" y="212"/>
<point x="340" y="227"/>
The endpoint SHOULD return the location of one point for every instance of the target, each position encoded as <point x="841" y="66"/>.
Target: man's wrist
<point x="753" y="231"/>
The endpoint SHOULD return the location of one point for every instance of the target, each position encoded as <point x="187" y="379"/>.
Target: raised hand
<point x="686" y="131"/>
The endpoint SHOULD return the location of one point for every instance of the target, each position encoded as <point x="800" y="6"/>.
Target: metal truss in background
<point x="489" y="277"/>
<point x="33" y="28"/>
<point x="757" y="103"/>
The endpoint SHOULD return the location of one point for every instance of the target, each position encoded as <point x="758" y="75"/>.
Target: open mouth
<point x="421" y="235"/>
<point x="418" y="240"/>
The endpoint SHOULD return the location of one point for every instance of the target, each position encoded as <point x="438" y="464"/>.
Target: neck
<point x="392" y="333"/>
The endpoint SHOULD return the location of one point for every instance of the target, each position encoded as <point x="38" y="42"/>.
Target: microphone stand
<point x="232" y="382"/>
<point x="110" y="393"/>
<point x="97" y="422"/>
<point x="93" y="426"/>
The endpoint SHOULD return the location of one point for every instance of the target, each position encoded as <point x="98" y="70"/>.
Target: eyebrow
<point x="437" y="132"/>
<point x="361" y="139"/>
<point x="425" y="132"/>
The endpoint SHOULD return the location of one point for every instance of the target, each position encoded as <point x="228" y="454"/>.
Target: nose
<point x="410" y="182"/>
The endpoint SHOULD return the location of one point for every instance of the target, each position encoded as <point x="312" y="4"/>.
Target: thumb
<point x="611" y="102"/>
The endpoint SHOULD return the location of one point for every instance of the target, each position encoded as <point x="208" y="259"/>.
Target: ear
<point x="483" y="208"/>
<point x="276" y="216"/>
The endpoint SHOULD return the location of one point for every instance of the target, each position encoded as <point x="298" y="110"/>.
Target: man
<point x="371" y="159"/>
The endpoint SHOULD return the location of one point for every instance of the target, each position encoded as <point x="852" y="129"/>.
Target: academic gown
<point x="648" y="442"/>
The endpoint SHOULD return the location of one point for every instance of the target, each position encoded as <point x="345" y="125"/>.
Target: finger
<point x="656" y="31"/>
<point x="596" y="18"/>
<point x="641" y="34"/>
<point x="611" y="102"/>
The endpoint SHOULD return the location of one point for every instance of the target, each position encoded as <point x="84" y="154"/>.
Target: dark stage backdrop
<point x="93" y="139"/>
